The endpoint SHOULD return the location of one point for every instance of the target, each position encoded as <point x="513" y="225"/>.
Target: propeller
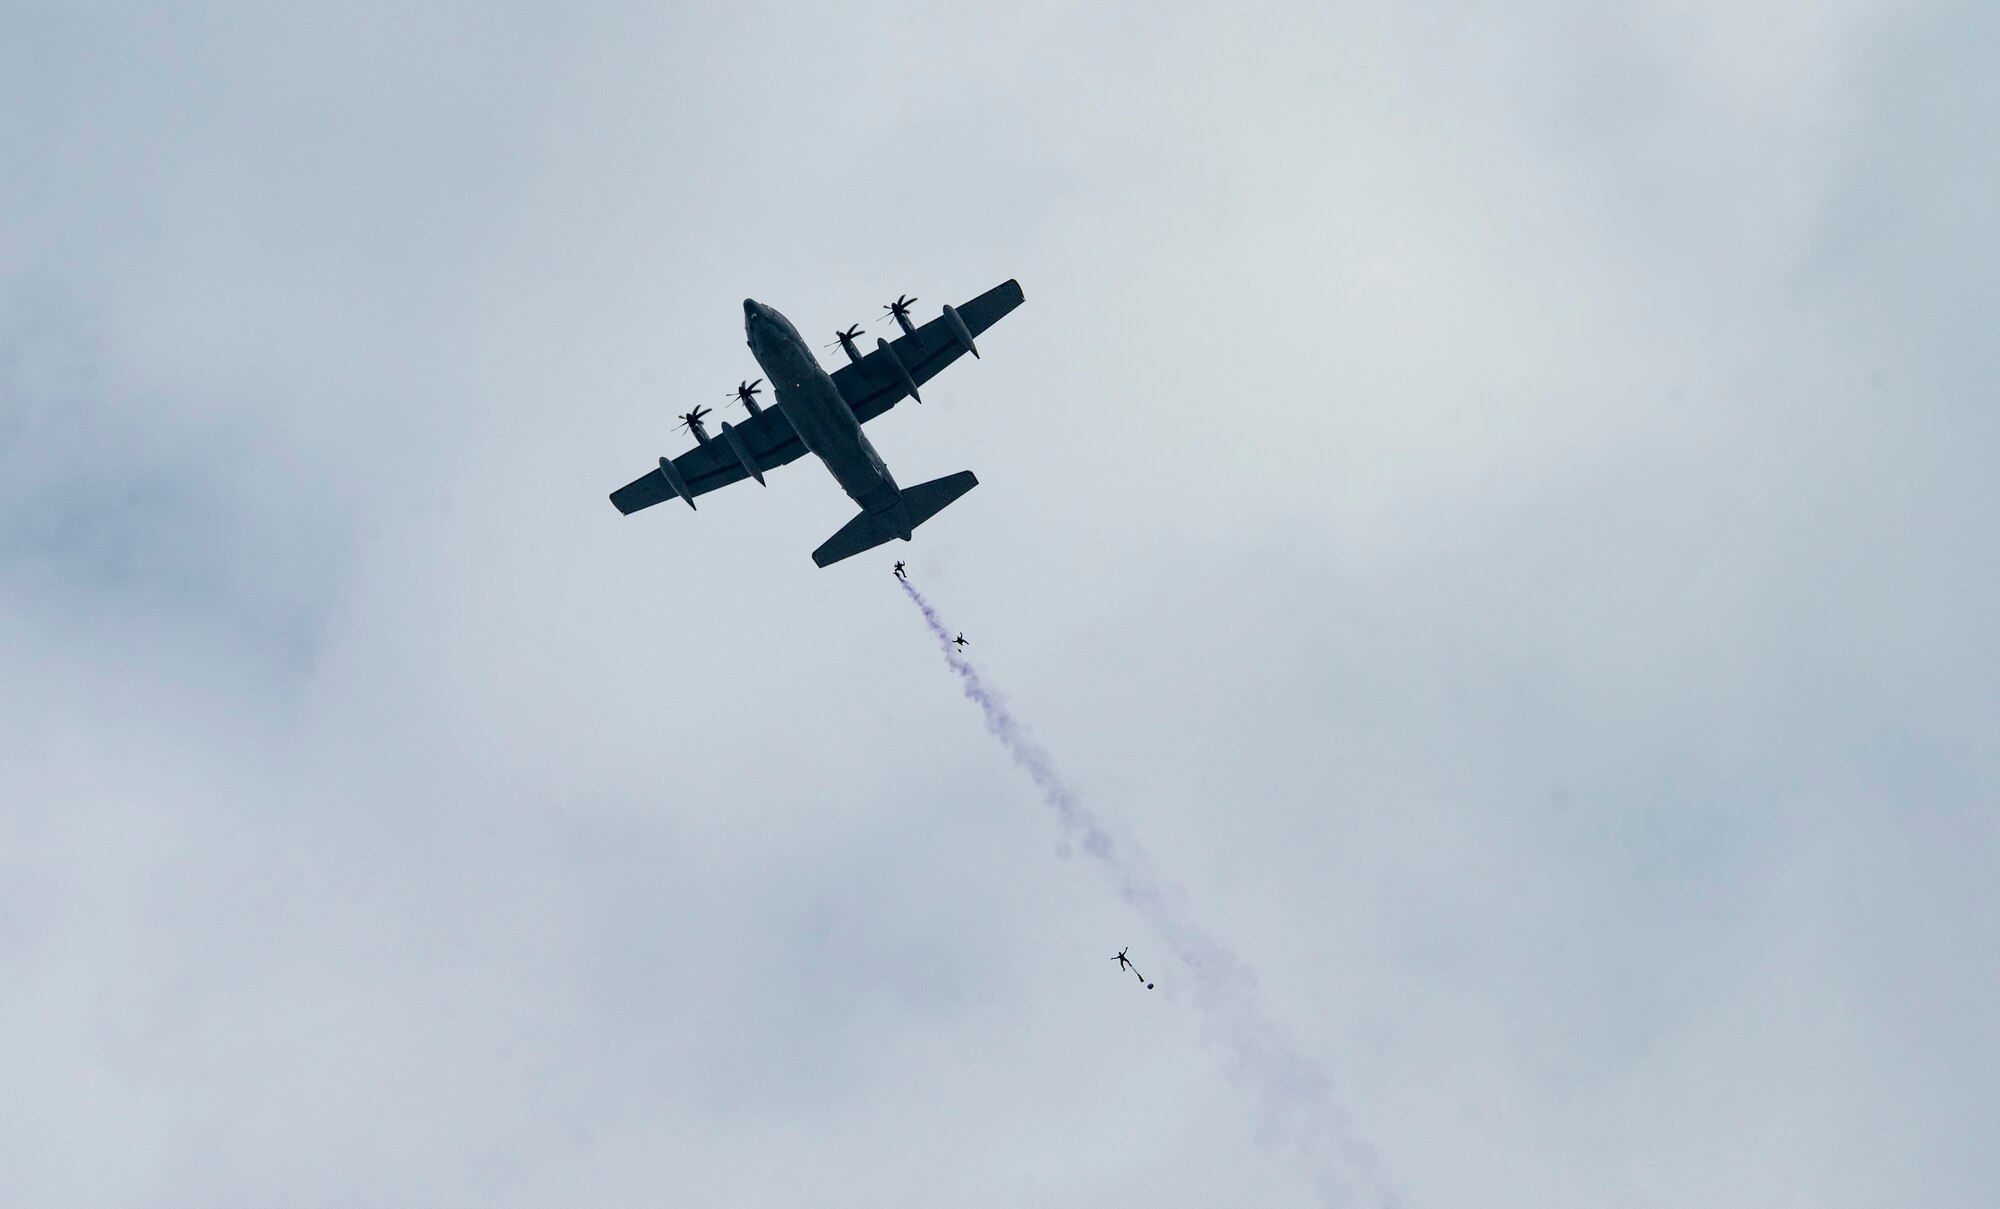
<point x="845" y="339"/>
<point x="746" y="393"/>
<point x="692" y="422"/>
<point x="899" y="310"/>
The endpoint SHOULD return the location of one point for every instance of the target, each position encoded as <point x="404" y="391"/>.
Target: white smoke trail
<point x="1297" y="1096"/>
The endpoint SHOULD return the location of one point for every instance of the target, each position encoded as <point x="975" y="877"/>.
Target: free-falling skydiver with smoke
<point x="960" y="641"/>
<point x="900" y="573"/>
<point x="1125" y="963"/>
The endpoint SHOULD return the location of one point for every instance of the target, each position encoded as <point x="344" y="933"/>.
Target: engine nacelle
<point x="896" y="365"/>
<point x="744" y="457"/>
<point x="672" y="474"/>
<point x="958" y="329"/>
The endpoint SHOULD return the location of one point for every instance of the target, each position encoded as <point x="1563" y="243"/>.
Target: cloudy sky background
<point x="1498" y="501"/>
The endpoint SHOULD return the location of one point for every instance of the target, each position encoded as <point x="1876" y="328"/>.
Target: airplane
<point x="900" y="573"/>
<point x="960" y="641"/>
<point x="1125" y="963"/>
<point x="822" y="414"/>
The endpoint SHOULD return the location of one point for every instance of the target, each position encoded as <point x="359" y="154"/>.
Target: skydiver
<point x="1125" y="963"/>
<point x="960" y="641"/>
<point x="900" y="573"/>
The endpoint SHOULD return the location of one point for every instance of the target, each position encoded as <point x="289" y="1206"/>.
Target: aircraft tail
<point x="917" y="505"/>
<point x="926" y="500"/>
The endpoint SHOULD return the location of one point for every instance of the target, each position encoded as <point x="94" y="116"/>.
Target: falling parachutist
<point x="1125" y="963"/>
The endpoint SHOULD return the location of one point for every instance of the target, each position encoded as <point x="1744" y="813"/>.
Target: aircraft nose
<point x="752" y="309"/>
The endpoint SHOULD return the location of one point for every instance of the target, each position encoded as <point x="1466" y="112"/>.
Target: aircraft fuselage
<point x="825" y="424"/>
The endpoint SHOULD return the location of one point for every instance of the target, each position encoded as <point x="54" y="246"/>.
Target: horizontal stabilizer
<point x="926" y="500"/>
<point x="918" y="504"/>
<point x="864" y="532"/>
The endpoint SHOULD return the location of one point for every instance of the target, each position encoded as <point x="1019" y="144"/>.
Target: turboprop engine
<point x="899" y="310"/>
<point x="692" y="422"/>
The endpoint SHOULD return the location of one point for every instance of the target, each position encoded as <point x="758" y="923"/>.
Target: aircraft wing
<point x="872" y="386"/>
<point x="767" y="439"/>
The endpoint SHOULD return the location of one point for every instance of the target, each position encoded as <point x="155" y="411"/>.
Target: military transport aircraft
<point x="820" y="413"/>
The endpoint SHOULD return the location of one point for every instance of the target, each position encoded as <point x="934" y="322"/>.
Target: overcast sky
<point x="1497" y="502"/>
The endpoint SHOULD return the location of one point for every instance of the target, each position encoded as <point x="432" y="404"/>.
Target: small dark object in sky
<point x="960" y="641"/>
<point x="900" y="573"/>
<point x="1125" y="963"/>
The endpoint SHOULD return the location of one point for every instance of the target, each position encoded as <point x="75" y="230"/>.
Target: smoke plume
<point x="1297" y="1096"/>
